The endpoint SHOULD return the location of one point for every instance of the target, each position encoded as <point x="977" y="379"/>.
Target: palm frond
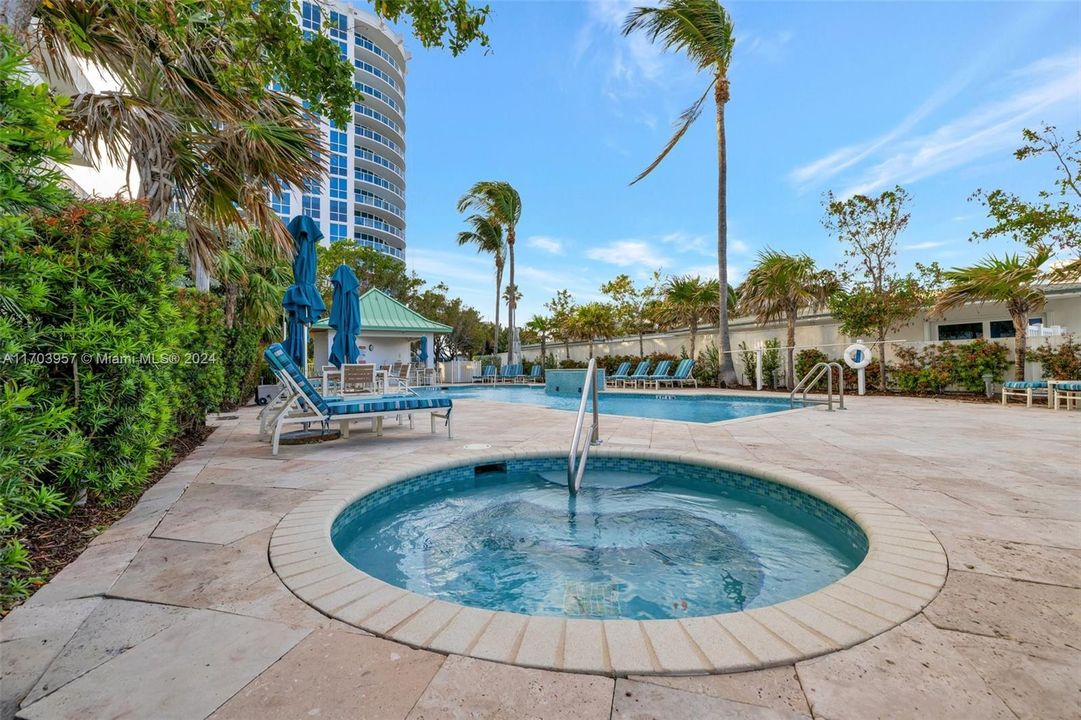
<point x="686" y="119"/>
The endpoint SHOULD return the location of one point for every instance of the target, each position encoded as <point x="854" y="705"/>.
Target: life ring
<point x="857" y="356"/>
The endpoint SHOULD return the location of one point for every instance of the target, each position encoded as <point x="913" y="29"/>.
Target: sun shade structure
<point x="344" y="316"/>
<point x="302" y="301"/>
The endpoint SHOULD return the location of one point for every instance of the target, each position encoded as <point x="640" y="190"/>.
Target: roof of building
<point x="380" y="312"/>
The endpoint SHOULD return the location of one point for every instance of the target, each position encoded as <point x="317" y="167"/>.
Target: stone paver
<point x="911" y="671"/>
<point x="777" y="688"/>
<point x="647" y="701"/>
<point x="334" y="674"/>
<point x="185" y="671"/>
<point x="1001" y="641"/>
<point x="469" y="688"/>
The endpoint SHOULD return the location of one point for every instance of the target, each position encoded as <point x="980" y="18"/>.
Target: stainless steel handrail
<point x="813" y="376"/>
<point x="576" y="465"/>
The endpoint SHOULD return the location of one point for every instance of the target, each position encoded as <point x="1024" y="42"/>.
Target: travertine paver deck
<point x="175" y="612"/>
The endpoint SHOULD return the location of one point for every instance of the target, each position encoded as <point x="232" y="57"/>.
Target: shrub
<point x="937" y="367"/>
<point x="569" y="364"/>
<point x="1061" y="364"/>
<point x="807" y="359"/>
<point x="771" y="362"/>
<point x="200" y="370"/>
<point x="749" y="359"/>
<point x="707" y="368"/>
<point x="243" y="364"/>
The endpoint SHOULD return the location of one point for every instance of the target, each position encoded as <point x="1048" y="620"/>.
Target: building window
<point x="311" y="186"/>
<point x="1001" y="329"/>
<point x="280" y="203"/>
<point x="339" y="165"/>
<point x="338" y="189"/>
<point x="339" y="141"/>
<point x="338" y="211"/>
<point x="961" y="331"/>
<point x="309" y="16"/>
<point x="310" y="206"/>
<point x="338" y="25"/>
<point x="337" y="232"/>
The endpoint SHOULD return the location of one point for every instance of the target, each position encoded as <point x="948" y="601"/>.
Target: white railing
<point x="576" y="462"/>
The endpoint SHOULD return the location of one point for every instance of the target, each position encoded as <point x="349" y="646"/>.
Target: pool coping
<point x="903" y="571"/>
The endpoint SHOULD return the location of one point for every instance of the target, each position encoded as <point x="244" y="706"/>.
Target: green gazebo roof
<point x="380" y="312"/>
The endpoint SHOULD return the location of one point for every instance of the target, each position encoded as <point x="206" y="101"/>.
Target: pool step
<point x="608" y="479"/>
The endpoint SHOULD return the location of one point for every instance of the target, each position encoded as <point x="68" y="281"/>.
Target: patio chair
<point x="661" y="373"/>
<point x="1026" y="389"/>
<point x="358" y="378"/>
<point x="682" y="375"/>
<point x="1068" y="391"/>
<point x="507" y="373"/>
<point x="640" y="373"/>
<point x="399" y="376"/>
<point x="306" y="406"/>
<point x="486" y="374"/>
<point x="536" y="374"/>
<point x="620" y="373"/>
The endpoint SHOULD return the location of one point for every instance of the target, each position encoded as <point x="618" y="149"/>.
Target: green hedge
<point x="937" y="367"/>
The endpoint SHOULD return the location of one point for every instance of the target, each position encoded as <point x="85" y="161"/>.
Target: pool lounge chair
<point x="306" y="406"/>
<point x="1067" y="392"/>
<point x="506" y="374"/>
<point x="661" y="373"/>
<point x="640" y="373"/>
<point x="619" y="375"/>
<point x="534" y="374"/>
<point x="1026" y="389"/>
<point x="486" y="374"/>
<point x="683" y="375"/>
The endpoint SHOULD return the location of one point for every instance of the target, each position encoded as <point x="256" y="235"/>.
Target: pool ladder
<point x="576" y="461"/>
<point x="813" y="376"/>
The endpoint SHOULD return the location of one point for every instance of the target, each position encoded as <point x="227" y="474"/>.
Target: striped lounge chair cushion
<point x="1026" y="384"/>
<point x="280" y="360"/>
<point x="1072" y="386"/>
<point x="382" y="405"/>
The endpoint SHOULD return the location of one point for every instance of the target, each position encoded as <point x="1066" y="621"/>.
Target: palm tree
<point x="542" y="326"/>
<point x="591" y="321"/>
<point x="500" y="202"/>
<point x="488" y="237"/>
<point x="780" y="286"/>
<point x="202" y="146"/>
<point x="704" y="30"/>
<point x="1012" y="280"/>
<point x="688" y="301"/>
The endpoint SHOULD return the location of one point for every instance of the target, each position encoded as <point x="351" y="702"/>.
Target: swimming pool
<point x="679" y="406"/>
<point x="643" y="540"/>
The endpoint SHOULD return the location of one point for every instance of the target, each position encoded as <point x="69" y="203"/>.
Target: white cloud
<point x="547" y="244"/>
<point x="628" y="253"/>
<point x="451" y="267"/>
<point x="738" y="247"/>
<point x="685" y="242"/>
<point x="929" y="245"/>
<point x="769" y="47"/>
<point x="900" y="157"/>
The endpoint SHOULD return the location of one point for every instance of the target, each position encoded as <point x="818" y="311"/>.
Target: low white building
<point x="819" y="330"/>
<point x="389" y="333"/>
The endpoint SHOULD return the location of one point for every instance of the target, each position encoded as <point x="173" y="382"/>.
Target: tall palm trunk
<point x="728" y="368"/>
<point x="17" y="14"/>
<point x="641" y="344"/>
<point x="1019" y="316"/>
<point x="498" y="301"/>
<point x="511" y="300"/>
<point x="692" y="329"/>
<point x="790" y="364"/>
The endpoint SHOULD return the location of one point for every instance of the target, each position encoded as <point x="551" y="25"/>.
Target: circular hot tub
<point x="661" y="563"/>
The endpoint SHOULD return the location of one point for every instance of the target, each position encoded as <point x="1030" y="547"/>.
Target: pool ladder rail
<point x="576" y="461"/>
<point x="813" y="376"/>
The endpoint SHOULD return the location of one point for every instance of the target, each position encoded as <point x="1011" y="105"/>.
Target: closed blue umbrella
<point x="302" y="300"/>
<point x="345" y="316"/>
<point x="422" y="354"/>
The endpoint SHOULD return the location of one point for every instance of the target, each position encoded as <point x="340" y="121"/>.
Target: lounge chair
<point x="306" y="406"/>
<point x="486" y="374"/>
<point x="1068" y="391"/>
<point x="508" y="372"/>
<point x="640" y="373"/>
<point x="661" y="373"/>
<point x="1025" y="389"/>
<point x="619" y="375"/>
<point x="533" y="375"/>
<point x="683" y="375"/>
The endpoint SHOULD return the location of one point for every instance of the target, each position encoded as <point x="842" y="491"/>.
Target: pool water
<point x="681" y="406"/>
<point x="653" y="544"/>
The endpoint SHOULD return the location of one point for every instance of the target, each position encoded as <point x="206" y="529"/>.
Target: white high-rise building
<point x="363" y="196"/>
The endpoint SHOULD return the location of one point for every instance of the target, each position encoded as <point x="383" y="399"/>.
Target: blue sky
<point x="852" y="97"/>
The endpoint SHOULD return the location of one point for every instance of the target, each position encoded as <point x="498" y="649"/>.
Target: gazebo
<point x="387" y="331"/>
